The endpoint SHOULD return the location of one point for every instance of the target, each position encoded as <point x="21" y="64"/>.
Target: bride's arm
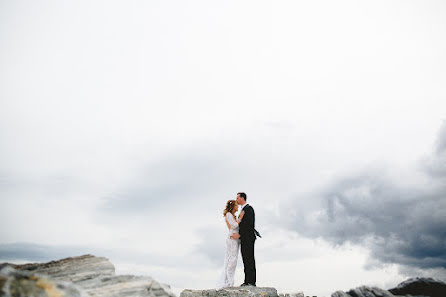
<point x="231" y="221"/>
<point x="227" y="223"/>
<point x="240" y="217"/>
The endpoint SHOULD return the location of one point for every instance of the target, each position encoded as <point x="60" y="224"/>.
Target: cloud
<point x="441" y="141"/>
<point x="212" y="245"/>
<point x="435" y="165"/>
<point x="398" y="222"/>
<point x="38" y="252"/>
<point x="175" y="185"/>
<point x="30" y="252"/>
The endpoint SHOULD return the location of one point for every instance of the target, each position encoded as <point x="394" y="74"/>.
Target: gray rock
<point x="74" y="269"/>
<point x="363" y="292"/>
<point x="96" y="276"/>
<point x="247" y="291"/>
<point x="421" y="287"/>
<point x="298" y="294"/>
<point x="27" y="284"/>
<point x="126" y="285"/>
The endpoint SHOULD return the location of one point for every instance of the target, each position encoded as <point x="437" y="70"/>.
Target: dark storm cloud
<point x="401" y="224"/>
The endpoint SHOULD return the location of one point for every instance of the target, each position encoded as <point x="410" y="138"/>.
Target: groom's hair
<point x="243" y="195"/>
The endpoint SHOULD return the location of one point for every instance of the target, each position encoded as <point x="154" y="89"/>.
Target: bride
<point x="232" y="245"/>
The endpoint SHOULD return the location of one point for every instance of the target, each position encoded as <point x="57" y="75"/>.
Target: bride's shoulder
<point x="229" y="216"/>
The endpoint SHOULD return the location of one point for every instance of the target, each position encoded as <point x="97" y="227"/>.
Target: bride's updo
<point x="230" y="205"/>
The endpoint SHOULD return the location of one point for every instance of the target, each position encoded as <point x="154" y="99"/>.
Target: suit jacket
<point x="246" y="227"/>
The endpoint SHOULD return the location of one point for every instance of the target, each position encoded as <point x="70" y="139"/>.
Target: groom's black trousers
<point x="247" y="249"/>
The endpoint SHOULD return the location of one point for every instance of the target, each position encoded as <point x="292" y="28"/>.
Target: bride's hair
<point x="229" y="208"/>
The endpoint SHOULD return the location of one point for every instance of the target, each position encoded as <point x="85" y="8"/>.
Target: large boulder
<point x="363" y="291"/>
<point x="96" y="276"/>
<point x="421" y="286"/>
<point x="27" y="284"/>
<point x="128" y="286"/>
<point x="247" y="291"/>
<point x="73" y="269"/>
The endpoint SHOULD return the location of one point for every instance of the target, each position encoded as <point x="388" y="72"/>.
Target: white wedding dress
<point x="231" y="255"/>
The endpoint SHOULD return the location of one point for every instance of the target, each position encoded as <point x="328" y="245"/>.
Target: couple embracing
<point x="241" y="235"/>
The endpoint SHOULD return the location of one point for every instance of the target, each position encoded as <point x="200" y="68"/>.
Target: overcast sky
<point x="125" y="126"/>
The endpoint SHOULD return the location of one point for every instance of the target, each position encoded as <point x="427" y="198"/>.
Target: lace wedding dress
<point x="232" y="248"/>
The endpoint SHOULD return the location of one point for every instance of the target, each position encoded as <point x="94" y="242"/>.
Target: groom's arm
<point x="248" y="219"/>
<point x="248" y="222"/>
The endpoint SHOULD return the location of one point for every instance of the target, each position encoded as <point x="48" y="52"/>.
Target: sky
<point x="125" y="126"/>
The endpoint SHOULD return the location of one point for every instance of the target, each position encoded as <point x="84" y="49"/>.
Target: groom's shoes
<point x="247" y="284"/>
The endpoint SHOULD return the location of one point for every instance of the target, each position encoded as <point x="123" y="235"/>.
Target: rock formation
<point x="90" y="275"/>
<point x="247" y="291"/>
<point x="426" y="287"/>
<point x="24" y="283"/>
<point x="421" y="286"/>
<point x="74" y="269"/>
<point x="363" y="292"/>
<point x="299" y="294"/>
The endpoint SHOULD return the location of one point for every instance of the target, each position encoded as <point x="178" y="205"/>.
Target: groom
<point x="247" y="235"/>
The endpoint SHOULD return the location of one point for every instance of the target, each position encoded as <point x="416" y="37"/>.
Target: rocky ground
<point x="77" y="276"/>
<point x="232" y="292"/>
<point x="416" y="287"/>
<point x="90" y="276"/>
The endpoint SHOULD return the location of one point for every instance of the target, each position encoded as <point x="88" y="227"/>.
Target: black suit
<point x="247" y="240"/>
